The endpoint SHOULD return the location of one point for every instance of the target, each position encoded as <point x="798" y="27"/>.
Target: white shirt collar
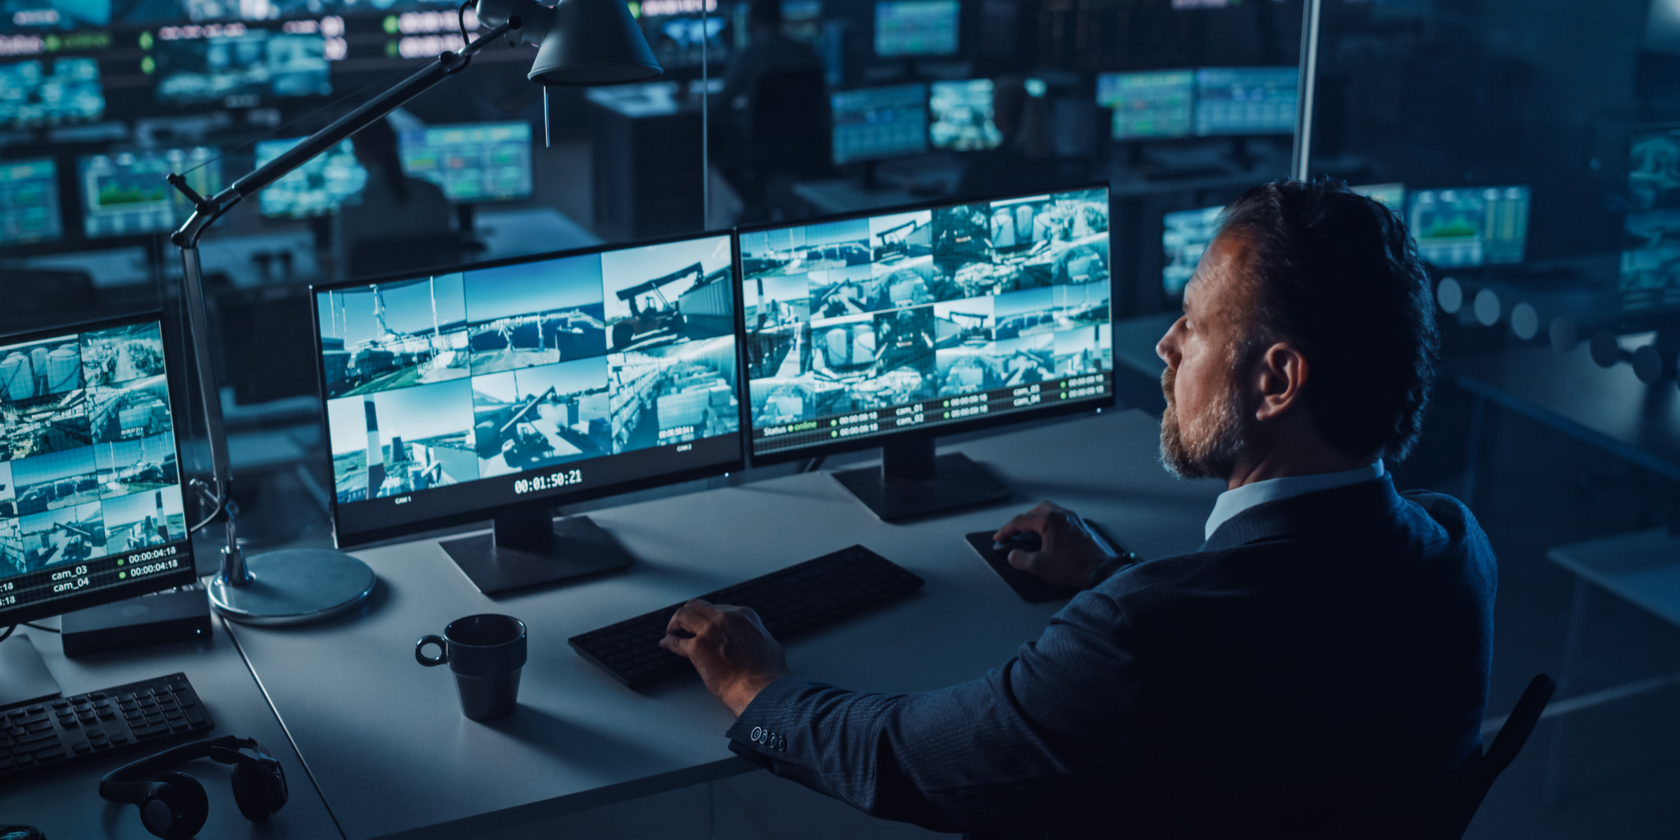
<point x="1233" y="502"/>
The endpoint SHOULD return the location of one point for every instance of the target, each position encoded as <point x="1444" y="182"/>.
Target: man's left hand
<point x="735" y="655"/>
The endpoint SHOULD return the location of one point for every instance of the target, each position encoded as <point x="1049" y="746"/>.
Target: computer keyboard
<point x="57" y="732"/>
<point x="788" y="601"/>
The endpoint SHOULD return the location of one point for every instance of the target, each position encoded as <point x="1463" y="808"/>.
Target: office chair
<point x="1442" y="810"/>
<point x="790" y="140"/>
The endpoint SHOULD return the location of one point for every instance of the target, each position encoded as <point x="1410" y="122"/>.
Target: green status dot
<point x="119" y="562"/>
<point x="833" y="434"/>
<point x="122" y="575"/>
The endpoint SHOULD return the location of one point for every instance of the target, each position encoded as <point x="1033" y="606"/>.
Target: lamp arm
<point x="208" y="209"/>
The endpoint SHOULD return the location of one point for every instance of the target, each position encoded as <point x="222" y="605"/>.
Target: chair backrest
<point x="1442" y="809"/>
<point x="373" y="257"/>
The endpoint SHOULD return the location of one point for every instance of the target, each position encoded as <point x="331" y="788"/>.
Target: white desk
<point x="64" y="801"/>
<point x="385" y="738"/>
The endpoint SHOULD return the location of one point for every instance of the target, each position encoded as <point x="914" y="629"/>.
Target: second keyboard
<point x="788" y="601"/>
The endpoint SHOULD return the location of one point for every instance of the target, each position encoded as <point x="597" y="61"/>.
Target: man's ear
<point x="1279" y="374"/>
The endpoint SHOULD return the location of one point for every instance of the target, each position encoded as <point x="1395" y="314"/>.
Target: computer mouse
<point x="1024" y="540"/>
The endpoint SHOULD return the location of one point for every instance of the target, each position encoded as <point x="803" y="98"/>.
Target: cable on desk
<point x="8" y="633"/>
<point x="38" y="627"/>
<point x="814" y="464"/>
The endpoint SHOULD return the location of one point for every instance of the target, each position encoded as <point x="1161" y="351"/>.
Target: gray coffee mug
<point x="486" y="653"/>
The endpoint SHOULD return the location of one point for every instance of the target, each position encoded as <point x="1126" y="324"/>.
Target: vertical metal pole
<point x="1552" y="789"/>
<point x="1305" y="88"/>
<point x="705" y="122"/>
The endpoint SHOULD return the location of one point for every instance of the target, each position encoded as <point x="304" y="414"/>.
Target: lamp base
<point x="295" y="586"/>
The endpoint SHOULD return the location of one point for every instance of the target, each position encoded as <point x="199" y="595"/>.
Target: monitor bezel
<point x="549" y="498"/>
<point x="876" y="440"/>
<point x="174" y="359"/>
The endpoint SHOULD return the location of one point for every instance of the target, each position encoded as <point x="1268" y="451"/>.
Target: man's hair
<point x="1337" y="275"/>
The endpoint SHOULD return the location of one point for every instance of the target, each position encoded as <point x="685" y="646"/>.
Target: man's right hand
<point x="1068" y="551"/>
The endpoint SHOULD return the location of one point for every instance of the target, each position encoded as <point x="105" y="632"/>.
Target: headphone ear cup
<point x="254" y="791"/>
<point x="177" y="809"/>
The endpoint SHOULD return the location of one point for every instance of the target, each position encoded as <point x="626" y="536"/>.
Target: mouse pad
<point x="1031" y="588"/>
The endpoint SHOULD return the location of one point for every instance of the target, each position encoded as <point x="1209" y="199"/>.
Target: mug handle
<point x="443" y="651"/>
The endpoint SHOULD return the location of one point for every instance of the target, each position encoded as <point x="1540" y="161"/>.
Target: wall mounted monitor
<point x="47" y="92"/>
<point x="317" y="188"/>
<point x="1392" y="196"/>
<point x="471" y="162"/>
<point x="888" y="329"/>
<point x="241" y="70"/>
<point x="91" y="505"/>
<point x="961" y="116"/>
<point x="1185" y="235"/>
<point x="1246" y="100"/>
<point x="1158" y="103"/>
<point x="880" y="122"/>
<point x="501" y="390"/>
<point x="1463" y="227"/>
<point x="1650" y="271"/>
<point x="126" y="194"/>
<point x="53" y="15"/>
<point x="29" y="210"/>
<point x="916" y="28"/>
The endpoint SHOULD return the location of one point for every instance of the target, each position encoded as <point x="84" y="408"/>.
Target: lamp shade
<point x="594" y="42"/>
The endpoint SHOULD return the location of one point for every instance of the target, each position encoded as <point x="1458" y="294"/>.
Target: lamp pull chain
<point x="547" y="144"/>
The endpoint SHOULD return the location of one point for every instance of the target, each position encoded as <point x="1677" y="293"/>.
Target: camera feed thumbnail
<point x="1185" y="235"/>
<point x="867" y="314"/>
<point x="88" y="462"/>
<point x="50" y="92"/>
<point x="962" y="116"/>
<point x="492" y="371"/>
<point x="1650" y="273"/>
<point x="250" y="66"/>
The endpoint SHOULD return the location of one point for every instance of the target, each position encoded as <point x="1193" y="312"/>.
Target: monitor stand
<point x="465" y="221"/>
<point x="529" y="547"/>
<point x="912" y="481"/>
<point x="24" y="677"/>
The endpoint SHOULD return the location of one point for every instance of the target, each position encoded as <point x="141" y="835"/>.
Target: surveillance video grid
<point x="513" y="370"/>
<point x="864" y="326"/>
<point x="89" y="480"/>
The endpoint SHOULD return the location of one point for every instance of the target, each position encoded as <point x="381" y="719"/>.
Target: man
<point x="767" y="52"/>
<point x="1330" y="641"/>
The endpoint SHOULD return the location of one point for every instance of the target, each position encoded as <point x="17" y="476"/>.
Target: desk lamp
<point x="579" y="43"/>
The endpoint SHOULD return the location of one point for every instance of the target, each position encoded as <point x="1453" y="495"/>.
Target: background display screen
<point x="864" y="326"/>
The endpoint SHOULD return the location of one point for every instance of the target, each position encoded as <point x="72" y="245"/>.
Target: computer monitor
<point x="880" y="122"/>
<point x="916" y="28"/>
<point x="471" y="162"/>
<point x="29" y="201"/>
<point x="49" y="92"/>
<point x="682" y="40"/>
<point x="1246" y="100"/>
<point x="243" y="69"/>
<point x="1392" y="196"/>
<point x="1465" y="227"/>
<point x="503" y="389"/>
<point x="1148" y="105"/>
<point x="1650" y="270"/>
<point x="317" y="188"/>
<point x="126" y="194"/>
<point x="91" y="502"/>
<point x="1185" y="235"/>
<point x="17" y="16"/>
<point x="890" y="328"/>
<point x="962" y="117"/>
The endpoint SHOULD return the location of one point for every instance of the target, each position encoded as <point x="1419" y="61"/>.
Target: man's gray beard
<point x="1212" y="447"/>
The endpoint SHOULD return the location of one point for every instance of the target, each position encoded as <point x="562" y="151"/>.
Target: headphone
<point x="174" y="805"/>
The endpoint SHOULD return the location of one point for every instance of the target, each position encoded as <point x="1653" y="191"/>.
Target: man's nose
<point x="1167" y="347"/>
